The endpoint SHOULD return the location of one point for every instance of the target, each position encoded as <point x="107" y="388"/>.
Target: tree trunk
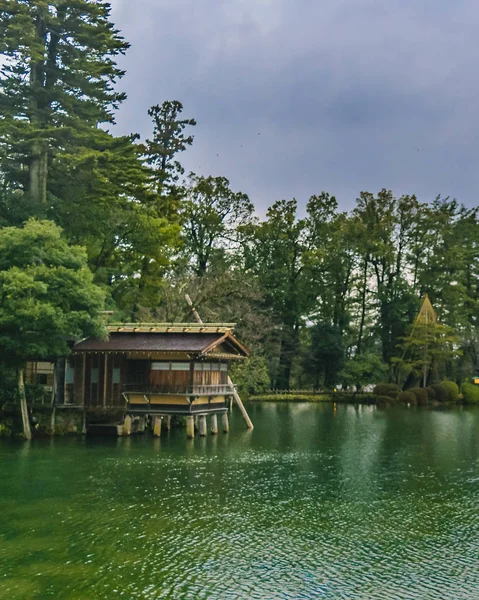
<point x="289" y="345"/>
<point x="27" y="432"/>
<point x="38" y="175"/>
<point x="363" y="306"/>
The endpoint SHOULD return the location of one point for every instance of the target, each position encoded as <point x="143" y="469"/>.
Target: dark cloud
<point x="346" y="95"/>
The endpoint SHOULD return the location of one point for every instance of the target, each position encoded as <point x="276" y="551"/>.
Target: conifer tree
<point x="57" y="84"/>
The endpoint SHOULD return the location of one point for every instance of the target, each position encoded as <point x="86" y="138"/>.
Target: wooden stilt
<point x="83" y="426"/>
<point x="214" y="424"/>
<point x="141" y="424"/>
<point x="127" y="426"/>
<point x="225" y="423"/>
<point x="190" y="427"/>
<point x="157" y="426"/>
<point x="202" y="425"/>
<point x="168" y="422"/>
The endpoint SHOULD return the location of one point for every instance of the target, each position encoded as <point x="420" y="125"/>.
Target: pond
<point x="316" y="502"/>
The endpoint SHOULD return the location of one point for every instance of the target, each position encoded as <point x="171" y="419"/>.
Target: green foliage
<point x="440" y="392"/>
<point x="292" y="398"/>
<point x="431" y="393"/>
<point x="8" y="384"/>
<point x="470" y="393"/>
<point x="326" y="357"/>
<point x="365" y="369"/>
<point x="167" y="142"/>
<point x="386" y="389"/>
<point x="420" y="394"/>
<point x="406" y="398"/>
<point x="251" y="376"/>
<point x="47" y="295"/>
<point x="58" y="83"/>
<point x="5" y="430"/>
<point x="452" y="390"/>
<point x="213" y="216"/>
<point x="308" y="289"/>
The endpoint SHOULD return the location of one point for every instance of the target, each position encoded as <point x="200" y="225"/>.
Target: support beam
<point x="190" y="427"/>
<point x="240" y="404"/>
<point x="225" y="423"/>
<point x="27" y="432"/>
<point x="214" y="424"/>
<point x="238" y="400"/>
<point x="157" y="426"/>
<point x="168" y="422"/>
<point x="202" y="425"/>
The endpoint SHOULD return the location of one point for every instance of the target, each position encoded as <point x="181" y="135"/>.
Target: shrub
<point x="406" y="398"/>
<point x="386" y="389"/>
<point x="440" y="392"/>
<point x="421" y="395"/>
<point x="431" y="393"/>
<point x="470" y="393"/>
<point x="452" y="390"/>
<point x="385" y="400"/>
<point x="5" y="430"/>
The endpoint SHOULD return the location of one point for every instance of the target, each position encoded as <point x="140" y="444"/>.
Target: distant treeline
<point x="322" y="297"/>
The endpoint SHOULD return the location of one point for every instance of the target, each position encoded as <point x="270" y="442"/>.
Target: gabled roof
<point x="184" y="338"/>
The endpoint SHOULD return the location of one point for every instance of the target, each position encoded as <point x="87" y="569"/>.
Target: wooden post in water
<point x="127" y="426"/>
<point x="190" y="427"/>
<point x="202" y="425"/>
<point x="224" y="422"/>
<point x="236" y="397"/>
<point x="27" y="432"/>
<point x="214" y="424"/>
<point x="168" y="422"/>
<point x="157" y="426"/>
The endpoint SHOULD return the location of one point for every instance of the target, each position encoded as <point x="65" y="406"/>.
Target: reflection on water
<point x="314" y="503"/>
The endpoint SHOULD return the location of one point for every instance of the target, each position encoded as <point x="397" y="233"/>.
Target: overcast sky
<point x="293" y="97"/>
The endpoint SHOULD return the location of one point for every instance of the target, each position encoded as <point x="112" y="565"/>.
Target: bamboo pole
<point x="236" y="396"/>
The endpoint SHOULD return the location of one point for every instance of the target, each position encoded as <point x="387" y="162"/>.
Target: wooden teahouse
<point x="157" y="369"/>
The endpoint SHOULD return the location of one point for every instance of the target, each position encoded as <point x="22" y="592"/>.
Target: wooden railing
<point x="178" y="390"/>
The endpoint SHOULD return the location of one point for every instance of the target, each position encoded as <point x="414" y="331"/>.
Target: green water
<point x="314" y="503"/>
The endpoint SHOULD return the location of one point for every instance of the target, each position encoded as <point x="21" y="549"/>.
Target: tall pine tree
<point x="57" y="85"/>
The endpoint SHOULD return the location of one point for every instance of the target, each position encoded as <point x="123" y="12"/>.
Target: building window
<point x="210" y="367"/>
<point x="160" y="366"/>
<point x="94" y="375"/>
<point x="70" y="375"/>
<point x="180" y="366"/>
<point x="115" y="378"/>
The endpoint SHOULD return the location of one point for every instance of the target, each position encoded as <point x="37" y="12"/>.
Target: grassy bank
<point x="351" y="398"/>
